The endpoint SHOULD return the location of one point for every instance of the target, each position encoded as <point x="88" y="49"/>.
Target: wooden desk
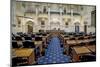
<point x="25" y="53"/>
<point x="65" y="40"/>
<point x="61" y="37"/>
<point x="86" y="37"/>
<point x="79" y="51"/>
<point x="68" y="45"/>
<point x="79" y="41"/>
<point x="48" y="37"/>
<point x="44" y="38"/>
<point x="44" y="41"/>
<point x="85" y="41"/>
<point x="71" y="42"/>
<point x="39" y="44"/>
<point x="92" y="48"/>
<point x="93" y="36"/>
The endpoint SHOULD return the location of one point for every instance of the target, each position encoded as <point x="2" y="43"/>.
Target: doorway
<point x="77" y="28"/>
<point x="29" y="27"/>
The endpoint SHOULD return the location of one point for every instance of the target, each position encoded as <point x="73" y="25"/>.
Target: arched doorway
<point x="29" y="26"/>
<point x="85" y="27"/>
<point x="77" y="27"/>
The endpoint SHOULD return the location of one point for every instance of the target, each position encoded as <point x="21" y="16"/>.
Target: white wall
<point x="85" y="16"/>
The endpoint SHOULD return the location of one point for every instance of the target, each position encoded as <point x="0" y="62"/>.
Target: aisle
<point x="53" y="53"/>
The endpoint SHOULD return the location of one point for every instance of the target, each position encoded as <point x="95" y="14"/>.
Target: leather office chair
<point x="28" y="44"/>
<point x="14" y="44"/>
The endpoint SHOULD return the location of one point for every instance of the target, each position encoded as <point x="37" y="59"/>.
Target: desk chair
<point x="82" y="44"/>
<point x="28" y="44"/>
<point x="72" y="39"/>
<point x="18" y="61"/>
<point x="28" y="38"/>
<point x="38" y="38"/>
<point x="14" y="44"/>
<point x="80" y="38"/>
<point x="92" y="43"/>
<point x="33" y="36"/>
<point x="85" y="58"/>
<point x="18" y="38"/>
<point x="37" y="53"/>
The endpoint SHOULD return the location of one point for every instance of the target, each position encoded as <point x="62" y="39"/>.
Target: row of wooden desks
<point x="79" y="47"/>
<point x="24" y="53"/>
<point x="79" y="41"/>
<point x="85" y="40"/>
<point x="79" y="51"/>
<point x="70" y="43"/>
<point x="29" y="53"/>
<point x="78" y="38"/>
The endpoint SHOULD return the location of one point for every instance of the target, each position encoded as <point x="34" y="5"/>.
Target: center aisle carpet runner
<point x="54" y="53"/>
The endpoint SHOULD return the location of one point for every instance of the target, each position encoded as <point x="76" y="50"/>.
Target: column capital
<point x="48" y="5"/>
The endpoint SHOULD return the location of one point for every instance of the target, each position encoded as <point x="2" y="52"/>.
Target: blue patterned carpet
<point x="54" y="53"/>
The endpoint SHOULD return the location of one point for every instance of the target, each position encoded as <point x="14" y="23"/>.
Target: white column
<point x="49" y="18"/>
<point x="72" y="15"/>
<point x="13" y="17"/>
<point x="71" y="24"/>
<point x="61" y="22"/>
<point x="61" y="18"/>
<point x="36" y="26"/>
<point x="23" y="26"/>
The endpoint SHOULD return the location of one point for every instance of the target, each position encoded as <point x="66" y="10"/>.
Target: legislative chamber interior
<point x="52" y="33"/>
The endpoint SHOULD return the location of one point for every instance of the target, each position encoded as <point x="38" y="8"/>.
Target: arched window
<point x="42" y="22"/>
<point x="64" y="10"/>
<point x="66" y="24"/>
<point x="44" y="10"/>
<point x="19" y="23"/>
<point x="29" y="26"/>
